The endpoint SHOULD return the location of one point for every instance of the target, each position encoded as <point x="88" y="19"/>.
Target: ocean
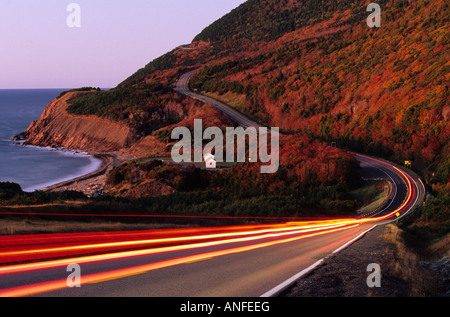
<point x="31" y="167"/>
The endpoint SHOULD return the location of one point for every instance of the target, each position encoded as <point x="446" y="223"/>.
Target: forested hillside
<point x="382" y="91"/>
<point x="258" y="21"/>
<point x="320" y="73"/>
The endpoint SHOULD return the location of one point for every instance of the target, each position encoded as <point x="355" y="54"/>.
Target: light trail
<point x="411" y="193"/>
<point x="107" y="246"/>
<point x="11" y="254"/>
<point x="119" y="255"/>
<point x="28" y="290"/>
<point x="147" y="242"/>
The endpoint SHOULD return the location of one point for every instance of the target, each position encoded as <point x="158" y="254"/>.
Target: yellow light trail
<point x="29" y="290"/>
<point x="119" y="255"/>
<point x="235" y="234"/>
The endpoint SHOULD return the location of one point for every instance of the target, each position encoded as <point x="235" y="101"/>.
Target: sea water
<point x="32" y="167"/>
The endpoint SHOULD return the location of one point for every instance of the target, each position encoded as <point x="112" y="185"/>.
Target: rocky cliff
<point x="92" y="134"/>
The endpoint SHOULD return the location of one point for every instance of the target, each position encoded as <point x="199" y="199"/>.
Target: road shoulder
<point x="345" y="273"/>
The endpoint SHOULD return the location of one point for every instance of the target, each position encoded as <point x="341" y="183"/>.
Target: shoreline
<point x="94" y="165"/>
<point x="90" y="184"/>
<point x="100" y="164"/>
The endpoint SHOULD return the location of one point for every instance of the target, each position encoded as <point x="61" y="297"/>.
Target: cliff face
<point x="92" y="134"/>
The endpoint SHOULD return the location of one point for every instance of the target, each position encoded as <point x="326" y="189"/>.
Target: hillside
<point x="262" y="21"/>
<point x="382" y="90"/>
<point x="88" y="133"/>
<point x="379" y="91"/>
<point x="317" y="71"/>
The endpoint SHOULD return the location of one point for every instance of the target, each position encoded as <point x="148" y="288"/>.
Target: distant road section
<point x="183" y="88"/>
<point x="408" y="189"/>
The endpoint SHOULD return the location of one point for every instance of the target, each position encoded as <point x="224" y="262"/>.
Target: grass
<point x="40" y="226"/>
<point x="229" y="98"/>
<point x="372" y="195"/>
<point x="409" y="253"/>
<point x="235" y="101"/>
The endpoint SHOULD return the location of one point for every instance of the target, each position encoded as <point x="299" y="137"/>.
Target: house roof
<point x="209" y="157"/>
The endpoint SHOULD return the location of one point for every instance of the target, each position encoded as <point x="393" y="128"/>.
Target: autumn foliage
<point x="319" y="73"/>
<point x="380" y="91"/>
<point x="312" y="176"/>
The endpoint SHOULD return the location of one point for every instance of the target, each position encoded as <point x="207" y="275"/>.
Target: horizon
<point x="80" y="59"/>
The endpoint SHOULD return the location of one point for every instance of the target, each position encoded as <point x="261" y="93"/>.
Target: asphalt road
<point x="242" y="274"/>
<point x="241" y="263"/>
<point x="182" y="87"/>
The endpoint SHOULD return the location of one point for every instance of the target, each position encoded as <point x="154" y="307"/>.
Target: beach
<point x="36" y="167"/>
<point x="91" y="184"/>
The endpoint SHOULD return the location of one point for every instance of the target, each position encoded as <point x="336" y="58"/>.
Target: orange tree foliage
<point x="311" y="175"/>
<point x="315" y="69"/>
<point x="382" y="91"/>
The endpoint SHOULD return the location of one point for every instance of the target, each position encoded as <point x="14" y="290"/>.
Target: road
<point x="393" y="174"/>
<point x="235" y="261"/>
<point x="182" y="87"/>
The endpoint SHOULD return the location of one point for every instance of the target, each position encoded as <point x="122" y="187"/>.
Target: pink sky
<point x="116" y="38"/>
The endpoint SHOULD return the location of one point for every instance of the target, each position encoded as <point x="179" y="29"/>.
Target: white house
<point x="210" y="161"/>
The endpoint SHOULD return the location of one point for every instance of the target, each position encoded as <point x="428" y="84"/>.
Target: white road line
<point x="395" y="193"/>
<point x="278" y="289"/>
<point x="281" y="287"/>
<point x="352" y="241"/>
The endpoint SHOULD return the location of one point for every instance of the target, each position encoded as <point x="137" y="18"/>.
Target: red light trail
<point x="24" y="253"/>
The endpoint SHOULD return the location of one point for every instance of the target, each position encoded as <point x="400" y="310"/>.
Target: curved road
<point x="238" y="261"/>
<point x="182" y="87"/>
<point x="385" y="169"/>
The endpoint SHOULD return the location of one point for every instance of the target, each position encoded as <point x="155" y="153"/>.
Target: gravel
<point x="345" y="274"/>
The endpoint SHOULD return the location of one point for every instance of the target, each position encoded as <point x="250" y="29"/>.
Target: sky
<point x="38" y="48"/>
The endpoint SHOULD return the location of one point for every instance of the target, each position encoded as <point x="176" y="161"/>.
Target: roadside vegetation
<point x="423" y="265"/>
<point x="306" y="184"/>
<point x="371" y="195"/>
<point x="313" y="180"/>
<point x="11" y="194"/>
<point x="382" y="91"/>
